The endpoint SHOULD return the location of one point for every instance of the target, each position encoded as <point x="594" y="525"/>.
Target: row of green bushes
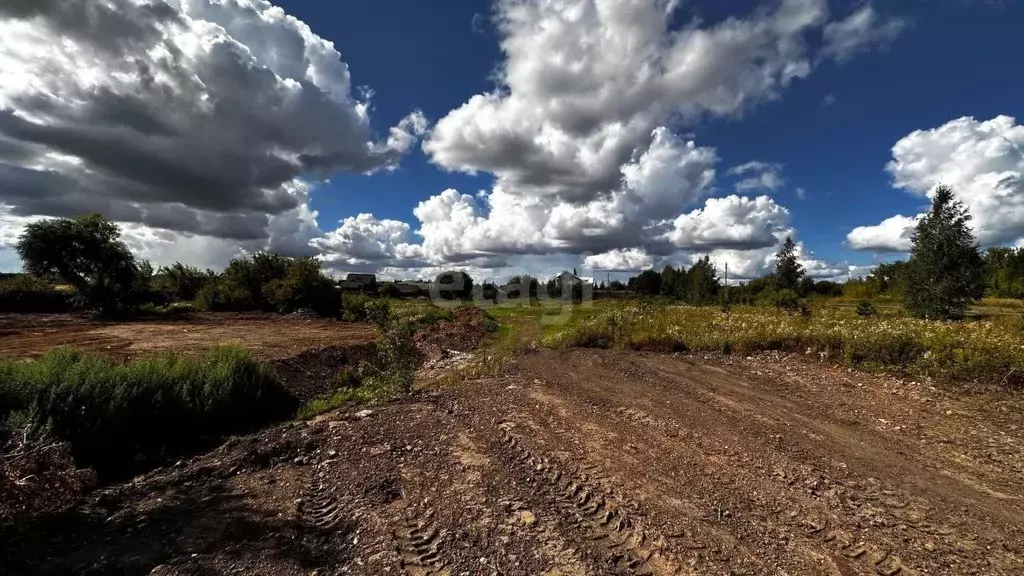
<point x="265" y="282"/>
<point x="122" y="417"/>
<point x="24" y="293"/>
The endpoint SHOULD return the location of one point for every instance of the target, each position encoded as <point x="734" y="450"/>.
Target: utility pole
<point x="727" y="282"/>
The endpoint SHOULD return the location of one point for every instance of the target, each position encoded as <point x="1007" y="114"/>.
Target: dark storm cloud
<point x="150" y="116"/>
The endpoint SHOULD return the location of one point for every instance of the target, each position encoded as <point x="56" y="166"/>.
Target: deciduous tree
<point x="85" y="252"/>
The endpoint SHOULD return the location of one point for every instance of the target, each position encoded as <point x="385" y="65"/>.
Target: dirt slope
<point x="587" y="463"/>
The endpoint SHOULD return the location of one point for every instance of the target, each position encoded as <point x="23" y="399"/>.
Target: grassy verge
<point x="519" y="328"/>
<point x="120" y="418"/>
<point x="390" y="375"/>
<point x="986" y="350"/>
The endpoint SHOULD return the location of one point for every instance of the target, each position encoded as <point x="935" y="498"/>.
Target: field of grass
<point x="989" y="350"/>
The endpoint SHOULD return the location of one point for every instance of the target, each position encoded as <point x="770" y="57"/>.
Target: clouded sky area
<point x="405" y="137"/>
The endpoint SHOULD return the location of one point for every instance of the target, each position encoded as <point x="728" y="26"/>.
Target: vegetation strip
<point x="120" y="417"/>
<point x="984" y="351"/>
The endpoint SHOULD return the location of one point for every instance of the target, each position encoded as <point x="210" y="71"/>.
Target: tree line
<point x="87" y="255"/>
<point x="945" y="268"/>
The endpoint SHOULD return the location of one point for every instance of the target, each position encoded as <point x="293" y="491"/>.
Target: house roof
<point x="361" y="278"/>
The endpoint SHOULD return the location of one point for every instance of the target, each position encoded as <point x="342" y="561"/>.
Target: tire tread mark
<point x="420" y="545"/>
<point x="318" y="510"/>
<point x="580" y="498"/>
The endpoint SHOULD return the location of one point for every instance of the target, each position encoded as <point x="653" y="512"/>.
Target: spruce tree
<point x="945" y="272"/>
<point x="788" y="271"/>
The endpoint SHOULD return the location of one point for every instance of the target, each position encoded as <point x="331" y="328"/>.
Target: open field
<point x="590" y="462"/>
<point x="271" y="337"/>
<point x="990" y="350"/>
<point x="586" y="462"/>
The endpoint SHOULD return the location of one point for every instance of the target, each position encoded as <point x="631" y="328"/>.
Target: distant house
<point x="413" y="289"/>
<point x="568" y="286"/>
<point x="567" y="278"/>
<point x="359" y="283"/>
<point x="511" y="291"/>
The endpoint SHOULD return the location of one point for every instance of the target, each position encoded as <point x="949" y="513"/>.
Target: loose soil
<point x="269" y="336"/>
<point x="585" y="462"/>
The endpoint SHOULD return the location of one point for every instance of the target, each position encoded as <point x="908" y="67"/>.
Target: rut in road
<point x="801" y="470"/>
<point x="626" y="549"/>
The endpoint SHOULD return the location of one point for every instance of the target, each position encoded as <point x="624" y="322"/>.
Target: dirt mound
<point x="37" y="476"/>
<point x="463" y="333"/>
<point x="313" y="373"/>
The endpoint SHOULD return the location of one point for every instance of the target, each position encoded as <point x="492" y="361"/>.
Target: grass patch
<point x="419" y="315"/>
<point x="122" y="418"/>
<point x="387" y="377"/>
<point x="982" y="350"/>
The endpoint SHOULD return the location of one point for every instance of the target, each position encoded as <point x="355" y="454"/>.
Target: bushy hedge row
<point x="23" y="293"/>
<point x="120" y="418"/>
<point x="271" y="283"/>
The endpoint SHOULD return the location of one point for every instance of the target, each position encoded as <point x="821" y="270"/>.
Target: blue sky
<point x="865" y="77"/>
<point x="938" y="70"/>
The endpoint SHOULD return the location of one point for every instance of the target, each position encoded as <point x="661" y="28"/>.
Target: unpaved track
<point x="602" y="462"/>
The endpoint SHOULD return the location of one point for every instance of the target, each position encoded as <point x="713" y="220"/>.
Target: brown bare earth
<point x="270" y="336"/>
<point x="585" y="463"/>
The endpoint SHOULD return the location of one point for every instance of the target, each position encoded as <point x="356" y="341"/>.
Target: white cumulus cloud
<point x="890" y="235"/>
<point x="576" y="131"/>
<point x="620" y="260"/>
<point x="983" y="161"/>
<point x="205" y="119"/>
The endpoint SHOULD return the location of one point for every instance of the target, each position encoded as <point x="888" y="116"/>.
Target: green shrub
<point x="866" y="308"/>
<point x="221" y="296"/>
<point x="786" y="300"/>
<point x="25" y="293"/>
<point x="304" y="286"/>
<point x="181" y="283"/>
<point x="120" y="418"/>
<point x="378" y="312"/>
<point x="353" y="307"/>
<point x="389" y="290"/>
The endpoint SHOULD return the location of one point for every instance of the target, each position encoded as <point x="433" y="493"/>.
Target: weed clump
<point x="122" y="418"/>
<point x="389" y="375"/>
<point x="866" y="308"/>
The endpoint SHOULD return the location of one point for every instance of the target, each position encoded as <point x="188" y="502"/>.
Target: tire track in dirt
<point x="319" y="510"/>
<point x="419" y="544"/>
<point x="626" y="548"/>
<point x="787" y="500"/>
<point x="848" y="550"/>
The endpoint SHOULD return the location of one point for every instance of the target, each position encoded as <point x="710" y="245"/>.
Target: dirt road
<point x="586" y="463"/>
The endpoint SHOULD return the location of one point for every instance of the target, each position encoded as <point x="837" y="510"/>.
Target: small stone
<point x="527" y="518"/>
<point x="363" y="414"/>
